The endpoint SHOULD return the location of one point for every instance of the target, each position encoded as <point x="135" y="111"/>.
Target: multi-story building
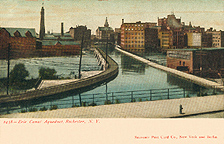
<point x="151" y="39"/>
<point x="205" y="62"/>
<point x="217" y="37"/>
<point x="133" y="35"/>
<point x="193" y="40"/>
<point x="22" y="42"/>
<point x="172" y="26"/>
<point x="102" y="33"/>
<point x="165" y="39"/>
<point x="80" y="32"/>
<point x="117" y="35"/>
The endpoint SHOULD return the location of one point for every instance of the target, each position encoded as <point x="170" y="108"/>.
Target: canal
<point x="136" y="81"/>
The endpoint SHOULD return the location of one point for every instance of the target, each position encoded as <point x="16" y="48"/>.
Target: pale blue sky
<point x="92" y="13"/>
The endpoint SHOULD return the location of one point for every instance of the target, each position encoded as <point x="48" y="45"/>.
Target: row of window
<point x="134" y="29"/>
<point x="128" y="25"/>
<point x="216" y="44"/>
<point x="216" y="37"/>
<point x="130" y="33"/>
<point x="215" y="40"/>
<point x="126" y="46"/>
<point x="134" y="37"/>
<point x="134" y="41"/>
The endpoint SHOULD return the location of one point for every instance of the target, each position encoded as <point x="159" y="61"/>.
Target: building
<point x="217" y="37"/>
<point x="205" y="62"/>
<point x="117" y="35"/>
<point x="133" y="35"/>
<point x="102" y="33"/>
<point x="193" y="40"/>
<point x="55" y="44"/>
<point x="171" y="27"/>
<point x="22" y="42"/>
<point x="80" y="32"/>
<point x="151" y="39"/>
<point x="59" y="48"/>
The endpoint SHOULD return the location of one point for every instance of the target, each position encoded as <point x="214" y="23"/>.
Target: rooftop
<point x="104" y="28"/>
<point x="22" y="31"/>
<point x="198" y="49"/>
<point x="54" y="42"/>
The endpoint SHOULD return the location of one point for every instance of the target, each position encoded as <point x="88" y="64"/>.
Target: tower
<point x="42" y="26"/>
<point x="62" y="29"/>
<point x="106" y="23"/>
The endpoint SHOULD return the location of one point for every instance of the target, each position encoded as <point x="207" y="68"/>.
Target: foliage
<point x="107" y="102"/>
<point x="32" y="109"/>
<point x="18" y="75"/>
<point x="133" y="100"/>
<point x="23" y="111"/>
<point x="54" y="107"/>
<point x="47" y="73"/>
<point x="139" y="99"/>
<point x="75" y="105"/>
<point x="43" y="109"/>
<point x="92" y="104"/>
<point x="83" y="104"/>
<point x="117" y="101"/>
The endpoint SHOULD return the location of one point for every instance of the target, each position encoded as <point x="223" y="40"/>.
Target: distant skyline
<point x="92" y="13"/>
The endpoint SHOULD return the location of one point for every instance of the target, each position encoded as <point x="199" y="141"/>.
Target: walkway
<point x="49" y="83"/>
<point x="148" y="109"/>
<point x="189" y="77"/>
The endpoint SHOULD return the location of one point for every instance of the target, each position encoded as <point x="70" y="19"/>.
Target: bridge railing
<point x="104" y="99"/>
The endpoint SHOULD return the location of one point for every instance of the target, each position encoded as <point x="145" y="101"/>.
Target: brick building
<point x="59" y="48"/>
<point x="171" y="26"/>
<point x="205" y="62"/>
<point x="151" y="39"/>
<point x="133" y="35"/>
<point x="22" y="42"/>
<point x="217" y="37"/>
<point x="78" y="32"/>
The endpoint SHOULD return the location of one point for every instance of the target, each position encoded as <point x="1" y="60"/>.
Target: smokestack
<point x="122" y="21"/>
<point x="42" y="26"/>
<point x="62" y="29"/>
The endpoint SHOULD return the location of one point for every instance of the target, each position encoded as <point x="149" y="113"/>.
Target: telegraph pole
<point x="80" y="61"/>
<point x="8" y="58"/>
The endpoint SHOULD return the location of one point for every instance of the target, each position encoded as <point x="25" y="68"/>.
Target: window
<point x="180" y="63"/>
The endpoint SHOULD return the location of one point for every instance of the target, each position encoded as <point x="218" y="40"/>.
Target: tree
<point x="18" y="74"/>
<point x="47" y="73"/>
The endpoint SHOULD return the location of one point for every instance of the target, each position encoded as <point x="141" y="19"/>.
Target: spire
<point x="106" y="23"/>
<point x="42" y="26"/>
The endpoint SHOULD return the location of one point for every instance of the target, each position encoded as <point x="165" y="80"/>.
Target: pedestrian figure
<point x="181" y="109"/>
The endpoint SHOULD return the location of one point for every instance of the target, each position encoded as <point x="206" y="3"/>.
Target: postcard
<point x="112" y="71"/>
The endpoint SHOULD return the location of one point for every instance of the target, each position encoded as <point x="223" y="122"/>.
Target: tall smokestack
<point x="62" y="29"/>
<point x="42" y="26"/>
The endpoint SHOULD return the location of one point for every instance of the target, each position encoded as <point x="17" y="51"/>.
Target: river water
<point x="136" y="81"/>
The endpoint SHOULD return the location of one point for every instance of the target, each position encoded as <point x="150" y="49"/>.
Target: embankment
<point x="108" y="73"/>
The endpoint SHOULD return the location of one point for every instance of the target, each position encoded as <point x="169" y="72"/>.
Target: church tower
<point x="106" y="23"/>
<point x="42" y="26"/>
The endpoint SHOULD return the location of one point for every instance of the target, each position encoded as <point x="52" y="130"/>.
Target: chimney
<point x="62" y="29"/>
<point x="122" y="21"/>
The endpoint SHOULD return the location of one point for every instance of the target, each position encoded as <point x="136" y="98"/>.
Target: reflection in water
<point x="133" y="76"/>
<point x="130" y="65"/>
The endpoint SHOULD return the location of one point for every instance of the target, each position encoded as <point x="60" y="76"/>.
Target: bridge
<point x="189" y="77"/>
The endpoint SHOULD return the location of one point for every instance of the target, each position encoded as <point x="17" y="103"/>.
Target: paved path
<point x="148" y="109"/>
<point x="49" y="83"/>
<point x="192" y="78"/>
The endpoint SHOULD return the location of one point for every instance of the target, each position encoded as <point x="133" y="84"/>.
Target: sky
<point x="92" y="13"/>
